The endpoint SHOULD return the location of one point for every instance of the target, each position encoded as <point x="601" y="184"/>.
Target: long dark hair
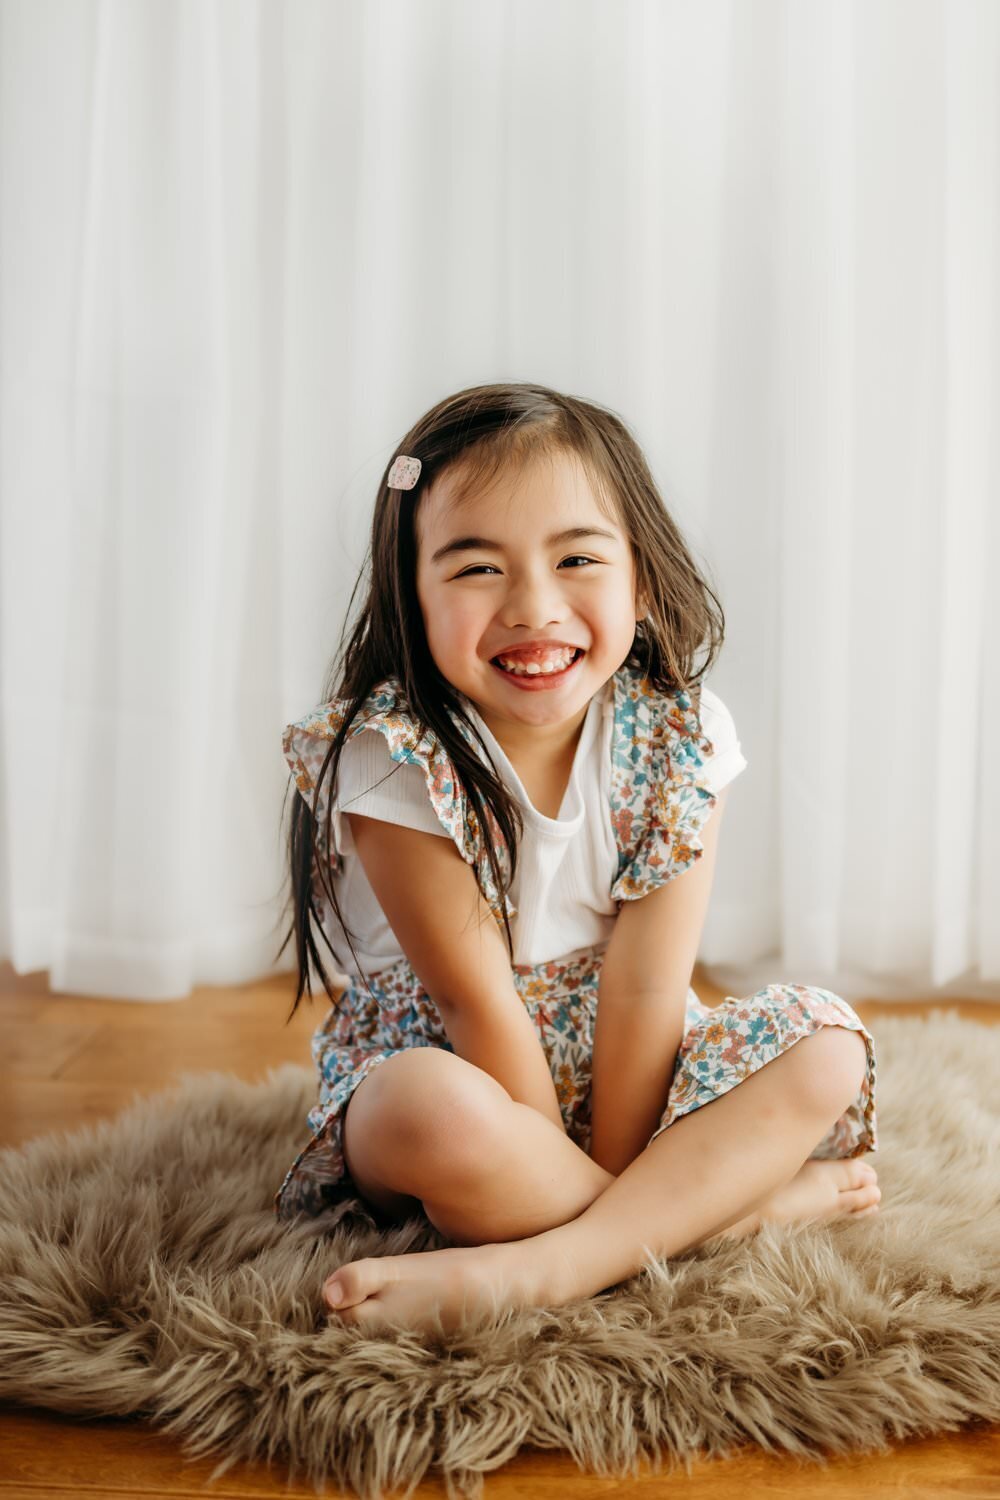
<point x="489" y="428"/>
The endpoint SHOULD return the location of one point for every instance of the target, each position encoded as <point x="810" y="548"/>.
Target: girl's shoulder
<point x="650" y="721"/>
<point x="385" y="712"/>
<point x="660" y="795"/>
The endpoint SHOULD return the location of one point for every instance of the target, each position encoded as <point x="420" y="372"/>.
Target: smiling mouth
<point x="532" y="671"/>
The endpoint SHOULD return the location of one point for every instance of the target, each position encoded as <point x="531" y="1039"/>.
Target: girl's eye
<point x="481" y="567"/>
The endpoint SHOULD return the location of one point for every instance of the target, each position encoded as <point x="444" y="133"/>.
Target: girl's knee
<point x="835" y="1061"/>
<point x="429" y="1099"/>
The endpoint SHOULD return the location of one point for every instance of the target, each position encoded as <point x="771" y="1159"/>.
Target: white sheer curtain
<point x="243" y="246"/>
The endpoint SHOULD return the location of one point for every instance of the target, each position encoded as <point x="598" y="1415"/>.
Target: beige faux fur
<point x="142" y="1272"/>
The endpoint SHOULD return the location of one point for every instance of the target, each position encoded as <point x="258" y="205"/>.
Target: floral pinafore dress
<point x="658" y="806"/>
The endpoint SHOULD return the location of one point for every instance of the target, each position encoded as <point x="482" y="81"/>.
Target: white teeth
<point x="534" y="669"/>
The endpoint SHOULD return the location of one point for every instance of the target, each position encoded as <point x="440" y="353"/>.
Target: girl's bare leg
<point x="712" y="1170"/>
<point x="534" y="1178"/>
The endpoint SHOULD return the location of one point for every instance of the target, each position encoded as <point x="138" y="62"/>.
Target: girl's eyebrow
<point x="483" y="544"/>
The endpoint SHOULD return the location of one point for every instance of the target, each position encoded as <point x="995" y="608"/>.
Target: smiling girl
<point x="504" y="829"/>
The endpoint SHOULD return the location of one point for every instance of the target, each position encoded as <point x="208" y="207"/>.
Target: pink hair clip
<point x="404" y="473"/>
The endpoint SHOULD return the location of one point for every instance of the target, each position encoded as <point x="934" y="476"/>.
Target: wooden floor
<point x="67" y="1061"/>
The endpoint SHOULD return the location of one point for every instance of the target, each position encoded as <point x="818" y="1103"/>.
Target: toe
<point x="356" y="1281"/>
<point x="858" y="1200"/>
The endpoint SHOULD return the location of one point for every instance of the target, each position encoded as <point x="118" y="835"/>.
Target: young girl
<point x="504" y="831"/>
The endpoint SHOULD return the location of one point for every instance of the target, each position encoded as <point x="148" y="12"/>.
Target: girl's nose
<point x="532" y="603"/>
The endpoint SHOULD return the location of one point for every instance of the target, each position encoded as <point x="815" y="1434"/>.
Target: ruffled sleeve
<point x="660" y="798"/>
<point x="307" y="742"/>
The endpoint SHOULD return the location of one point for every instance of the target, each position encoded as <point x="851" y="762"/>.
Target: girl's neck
<point x="540" y="746"/>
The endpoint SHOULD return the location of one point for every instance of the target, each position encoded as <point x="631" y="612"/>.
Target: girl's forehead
<point x="527" y="495"/>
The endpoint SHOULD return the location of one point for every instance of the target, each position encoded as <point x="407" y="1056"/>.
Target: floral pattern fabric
<point x="658" y="806"/>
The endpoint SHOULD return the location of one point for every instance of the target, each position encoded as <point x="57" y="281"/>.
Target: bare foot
<point x="819" y="1190"/>
<point x="437" y="1290"/>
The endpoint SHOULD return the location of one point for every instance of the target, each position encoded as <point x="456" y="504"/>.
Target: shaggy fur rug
<point x="142" y="1273"/>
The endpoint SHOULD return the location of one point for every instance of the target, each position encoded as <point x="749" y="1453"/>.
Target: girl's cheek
<point x="467" y="621"/>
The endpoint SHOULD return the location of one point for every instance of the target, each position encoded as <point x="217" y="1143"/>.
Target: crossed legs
<point x="426" y="1127"/>
<point x="483" y="1168"/>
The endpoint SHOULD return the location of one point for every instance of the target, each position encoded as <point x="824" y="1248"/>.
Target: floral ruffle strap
<point x="659" y="800"/>
<point x="306" y="742"/>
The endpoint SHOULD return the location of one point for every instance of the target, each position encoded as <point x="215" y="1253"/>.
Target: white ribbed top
<point x="565" y="865"/>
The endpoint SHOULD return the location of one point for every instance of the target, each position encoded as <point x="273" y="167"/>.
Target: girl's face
<point x="493" y="574"/>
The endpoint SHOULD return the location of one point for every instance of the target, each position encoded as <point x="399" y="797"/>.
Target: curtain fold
<point x="243" y="245"/>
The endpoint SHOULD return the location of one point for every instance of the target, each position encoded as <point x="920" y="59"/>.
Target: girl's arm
<point x="642" y="997"/>
<point x="447" y="931"/>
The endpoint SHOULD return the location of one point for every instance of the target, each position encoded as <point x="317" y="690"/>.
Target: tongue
<point x="533" y="653"/>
